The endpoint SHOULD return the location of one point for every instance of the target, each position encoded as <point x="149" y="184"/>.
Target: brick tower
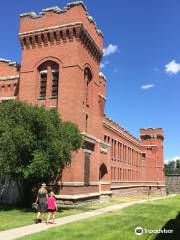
<point x="152" y="143"/>
<point x="61" y="53"/>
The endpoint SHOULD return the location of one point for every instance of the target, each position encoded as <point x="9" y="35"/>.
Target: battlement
<point x="151" y="133"/>
<point x="101" y="75"/>
<point x="9" y="62"/>
<point x="120" y="129"/>
<point x="56" y="26"/>
<point x="54" y="16"/>
<point x="8" y="69"/>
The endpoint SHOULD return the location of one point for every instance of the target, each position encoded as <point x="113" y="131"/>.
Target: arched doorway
<point x="102" y="175"/>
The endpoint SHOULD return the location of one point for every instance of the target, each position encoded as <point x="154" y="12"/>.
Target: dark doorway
<point x="102" y="171"/>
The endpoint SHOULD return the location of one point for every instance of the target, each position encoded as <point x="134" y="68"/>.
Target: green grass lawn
<point x="120" y="225"/>
<point x="16" y="217"/>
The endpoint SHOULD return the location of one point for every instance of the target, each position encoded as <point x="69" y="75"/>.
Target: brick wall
<point x="9" y="79"/>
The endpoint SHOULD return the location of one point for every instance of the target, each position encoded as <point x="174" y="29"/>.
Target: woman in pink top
<point x="52" y="207"/>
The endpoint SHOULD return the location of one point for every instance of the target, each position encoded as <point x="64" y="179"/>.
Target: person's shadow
<point x="172" y="224"/>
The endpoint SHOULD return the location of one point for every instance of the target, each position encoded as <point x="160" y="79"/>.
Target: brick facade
<point x="60" y="68"/>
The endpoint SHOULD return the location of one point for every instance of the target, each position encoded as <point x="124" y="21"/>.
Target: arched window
<point x="43" y="81"/>
<point x="87" y="78"/>
<point x="48" y="79"/>
<point x="55" y="80"/>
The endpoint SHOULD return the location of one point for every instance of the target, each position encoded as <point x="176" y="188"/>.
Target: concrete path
<point x="30" y="229"/>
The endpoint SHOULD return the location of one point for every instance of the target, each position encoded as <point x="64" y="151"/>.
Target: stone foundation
<point x="75" y="200"/>
<point x="139" y="190"/>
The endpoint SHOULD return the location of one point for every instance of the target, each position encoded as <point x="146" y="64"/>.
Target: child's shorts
<point x="51" y="210"/>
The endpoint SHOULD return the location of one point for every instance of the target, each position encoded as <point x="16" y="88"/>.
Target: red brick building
<point x="60" y="68"/>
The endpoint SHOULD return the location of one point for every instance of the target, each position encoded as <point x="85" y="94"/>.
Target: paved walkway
<point x="30" y="229"/>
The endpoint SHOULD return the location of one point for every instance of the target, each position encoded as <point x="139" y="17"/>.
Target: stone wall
<point x="172" y="183"/>
<point x="9" y="193"/>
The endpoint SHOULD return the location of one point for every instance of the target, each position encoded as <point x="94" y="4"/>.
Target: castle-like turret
<point x="152" y="142"/>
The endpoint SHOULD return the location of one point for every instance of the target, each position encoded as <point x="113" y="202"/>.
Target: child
<point x="52" y="207"/>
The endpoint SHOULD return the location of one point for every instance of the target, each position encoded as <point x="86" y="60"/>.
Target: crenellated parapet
<point x="151" y="133"/>
<point x="8" y="69"/>
<point x="108" y="122"/>
<point x="101" y="75"/>
<point x="56" y="26"/>
<point x="57" y="10"/>
<point x="9" y="62"/>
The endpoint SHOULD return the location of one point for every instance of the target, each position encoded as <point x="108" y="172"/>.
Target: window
<point x="87" y="78"/>
<point x="87" y="168"/>
<point x="118" y="151"/>
<point x="120" y="156"/>
<point x="48" y="76"/>
<point x="43" y="83"/>
<point x="55" y="78"/>
<point x="143" y="155"/>
<point x="112" y="149"/>
<point x="88" y="145"/>
<point x="114" y="173"/>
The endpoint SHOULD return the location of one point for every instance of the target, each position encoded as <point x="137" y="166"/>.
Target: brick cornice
<point x="59" y="35"/>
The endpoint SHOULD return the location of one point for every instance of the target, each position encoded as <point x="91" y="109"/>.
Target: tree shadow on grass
<point x="11" y="208"/>
<point x="172" y="224"/>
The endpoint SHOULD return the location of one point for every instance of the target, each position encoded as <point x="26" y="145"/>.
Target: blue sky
<point x="141" y="62"/>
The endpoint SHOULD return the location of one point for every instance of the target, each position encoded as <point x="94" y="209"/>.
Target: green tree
<point x="170" y="167"/>
<point x="35" y="145"/>
<point x="178" y="166"/>
<point x="173" y="167"/>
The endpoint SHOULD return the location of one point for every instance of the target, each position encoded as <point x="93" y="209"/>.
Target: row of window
<point x="122" y="153"/>
<point x="118" y="174"/>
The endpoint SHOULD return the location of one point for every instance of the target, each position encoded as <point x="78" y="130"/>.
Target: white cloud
<point x="110" y="49"/>
<point x="104" y="64"/>
<point x="147" y="86"/>
<point x="172" y="159"/>
<point x="172" y="67"/>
